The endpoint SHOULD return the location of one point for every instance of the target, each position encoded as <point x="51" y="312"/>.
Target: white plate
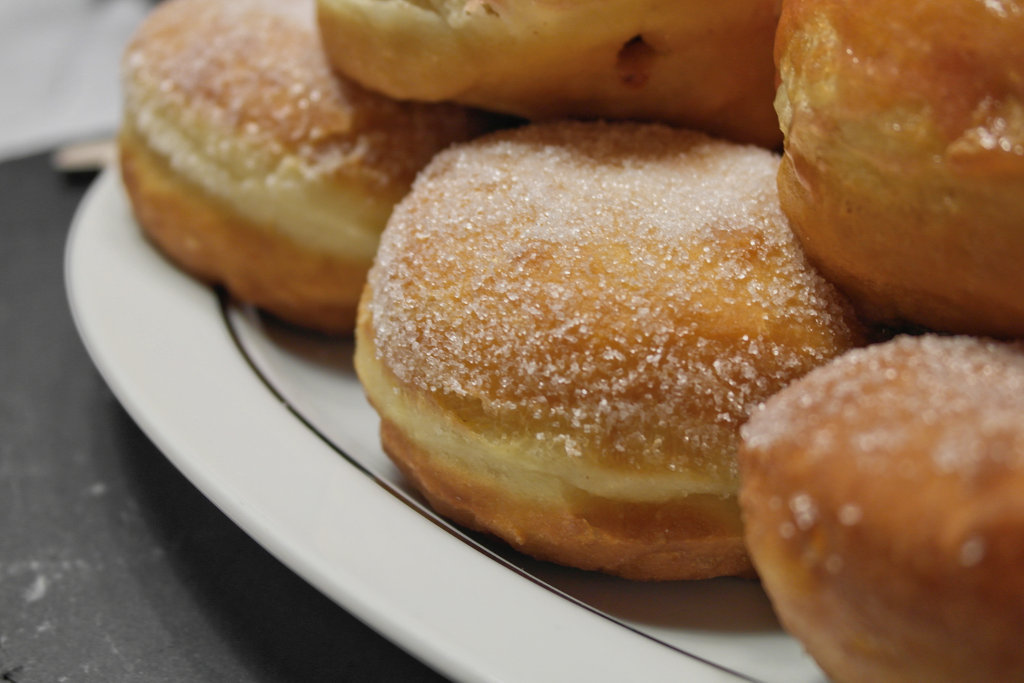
<point x="272" y="426"/>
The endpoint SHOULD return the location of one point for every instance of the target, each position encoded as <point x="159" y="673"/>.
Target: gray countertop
<point x="113" y="567"/>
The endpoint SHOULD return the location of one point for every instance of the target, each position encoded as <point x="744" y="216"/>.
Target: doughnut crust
<point x="250" y="164"/>
<point x="566" y="325"/>
<point x="883" y="499"/>
<point x="694" y="64"/>
<point x="903" y="173"/>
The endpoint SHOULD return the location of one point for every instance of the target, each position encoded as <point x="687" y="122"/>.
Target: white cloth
<point x="59" y="64"/>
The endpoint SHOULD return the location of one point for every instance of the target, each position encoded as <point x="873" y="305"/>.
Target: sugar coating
<point x="628" y="292"/>
<point x="254" y="71"/>
<point x="912" y="408"/>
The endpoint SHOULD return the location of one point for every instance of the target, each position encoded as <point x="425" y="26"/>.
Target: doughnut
<point x="903" y="171"/>
<point x="693" y="64"/>
<point x="566" y="324"/>
<point x="251" y="165"/>
<point x="883" y="501"/>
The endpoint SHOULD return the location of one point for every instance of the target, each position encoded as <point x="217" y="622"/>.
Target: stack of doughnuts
<point x="624" y="333"/>
<point x="263" y="146"/>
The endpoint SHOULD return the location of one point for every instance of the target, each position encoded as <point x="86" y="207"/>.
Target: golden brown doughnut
<point x="249" y="163"/>
<point x="695" y="64"/>
<point x="566" y="325"/>
<point x="883" y="498"/>
<point x="903" y="173"/>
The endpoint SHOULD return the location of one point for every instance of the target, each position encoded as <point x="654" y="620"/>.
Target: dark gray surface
<point x="112" y="566"/>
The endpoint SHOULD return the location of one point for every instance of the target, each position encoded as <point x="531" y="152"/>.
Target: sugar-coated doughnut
<point x="249" y="163"/>
<point x="693" y="63"/>
<point x="883" y="498"/>
<point x="903" y="173"/>
<point x="565" y="326"/>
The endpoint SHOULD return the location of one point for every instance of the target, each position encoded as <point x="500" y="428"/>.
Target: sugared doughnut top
<point x="256" y="69"/>
<point x="629" y="291"/>
<point x="913" y="407"/>
<point x="920" y="439"/>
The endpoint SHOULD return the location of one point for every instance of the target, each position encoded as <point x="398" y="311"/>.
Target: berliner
<point x="249" y="163"/>
<point x="883" y="498"/>
<point x="903" y="173"/>
<point x="565" y="326"/>
<point x="692" y="63"/>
